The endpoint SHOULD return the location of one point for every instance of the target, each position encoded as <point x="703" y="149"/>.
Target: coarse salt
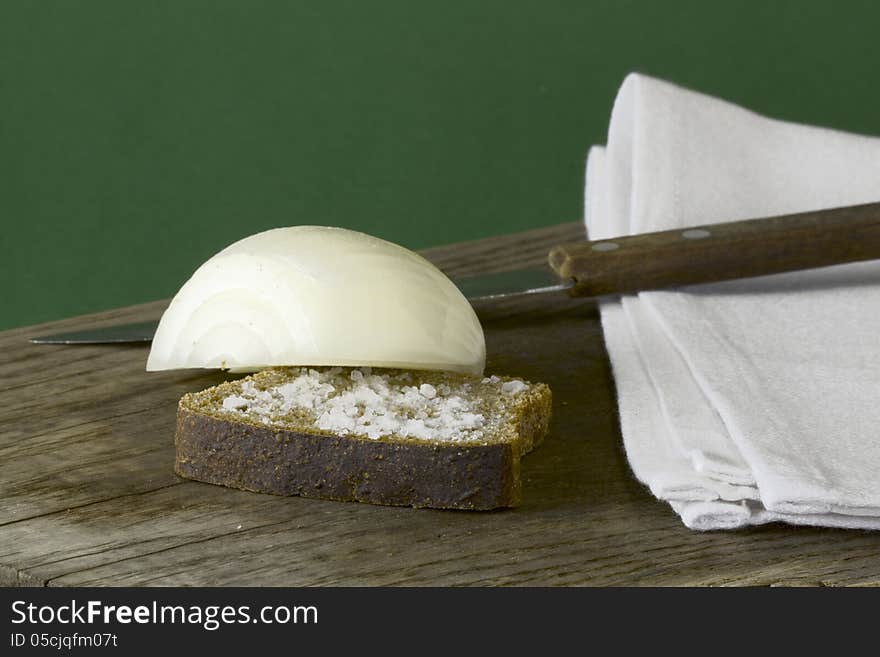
<point x="373" y="404"/>
<point x="513" y="387"/>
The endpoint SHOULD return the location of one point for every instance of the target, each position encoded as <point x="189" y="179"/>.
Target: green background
<point x="137" y="138"/>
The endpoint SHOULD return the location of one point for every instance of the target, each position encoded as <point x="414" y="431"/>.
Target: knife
<point x="648" y="261"/>
<point x="476" y="288"/>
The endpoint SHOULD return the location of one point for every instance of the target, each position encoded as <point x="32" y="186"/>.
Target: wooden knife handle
<point x="720" y="252"/>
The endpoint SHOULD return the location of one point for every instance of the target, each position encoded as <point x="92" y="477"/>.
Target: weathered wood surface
<point x="88" y="496"/>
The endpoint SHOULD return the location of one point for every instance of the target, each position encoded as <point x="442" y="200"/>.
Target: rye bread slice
<point x="421" y="439"/>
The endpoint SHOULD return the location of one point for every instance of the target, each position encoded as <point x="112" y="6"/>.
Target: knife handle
<point x="720" y="252"/>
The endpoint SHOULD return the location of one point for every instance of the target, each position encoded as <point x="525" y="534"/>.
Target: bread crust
<point x="390" y="471"/>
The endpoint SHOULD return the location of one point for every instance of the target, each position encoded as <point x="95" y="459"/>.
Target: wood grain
<point x="89" y="496"/>
<point x="720" y="252"/>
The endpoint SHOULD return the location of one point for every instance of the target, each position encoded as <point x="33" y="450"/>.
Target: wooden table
<point x="88" y="496"/>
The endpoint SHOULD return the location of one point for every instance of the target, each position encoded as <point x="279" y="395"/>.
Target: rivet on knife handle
<point x="720" y="252"/>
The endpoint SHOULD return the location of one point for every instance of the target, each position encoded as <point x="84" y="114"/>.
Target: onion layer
<point x="314" y="295"/>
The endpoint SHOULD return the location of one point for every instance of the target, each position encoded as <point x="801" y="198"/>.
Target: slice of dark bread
<point x="406" y="438"/>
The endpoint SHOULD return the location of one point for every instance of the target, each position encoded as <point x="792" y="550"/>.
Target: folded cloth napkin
<point x="748" y="401"/>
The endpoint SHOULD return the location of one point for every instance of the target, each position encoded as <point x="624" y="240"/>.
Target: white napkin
<point x="749" y="401"/>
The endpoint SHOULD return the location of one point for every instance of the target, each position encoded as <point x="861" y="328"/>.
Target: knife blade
<point x="650" y="261"/>
<point x="118" y="334"/>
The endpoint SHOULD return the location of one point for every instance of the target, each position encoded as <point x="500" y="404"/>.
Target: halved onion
<point x="314" y="295"/>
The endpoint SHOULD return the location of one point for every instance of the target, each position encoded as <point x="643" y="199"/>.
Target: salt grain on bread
<point x="411" y="438"/>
